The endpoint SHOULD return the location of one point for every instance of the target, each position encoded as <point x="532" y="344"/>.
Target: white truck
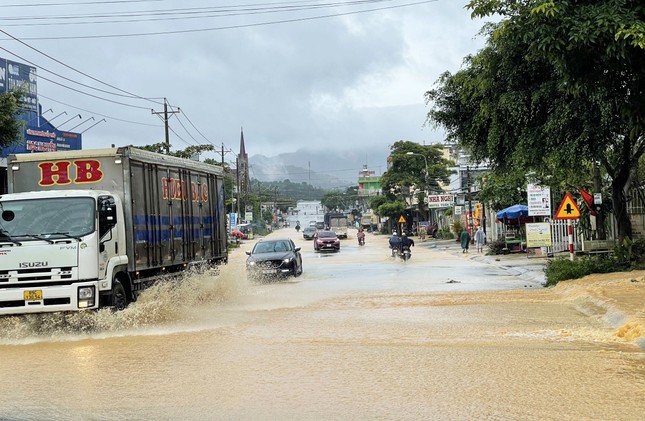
<point x="337" y="222"/>
<point x="86" y="229"/>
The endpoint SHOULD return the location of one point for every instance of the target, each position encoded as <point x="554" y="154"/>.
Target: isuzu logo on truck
<point x="86" y="171"/>
<point x="23" y="265"/>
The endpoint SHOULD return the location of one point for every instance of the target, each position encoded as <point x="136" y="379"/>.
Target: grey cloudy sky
<point x="345" y="82"/>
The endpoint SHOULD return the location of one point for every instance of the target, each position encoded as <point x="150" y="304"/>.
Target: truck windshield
<point x="36" y="219"/>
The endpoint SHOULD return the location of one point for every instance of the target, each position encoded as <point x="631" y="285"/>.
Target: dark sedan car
<point x="326" y="240"/>
<point x="274" y="257"/>
<point x="308" y="233"/>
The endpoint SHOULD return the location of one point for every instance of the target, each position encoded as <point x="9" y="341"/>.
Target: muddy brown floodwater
<point x="357" y="336"/>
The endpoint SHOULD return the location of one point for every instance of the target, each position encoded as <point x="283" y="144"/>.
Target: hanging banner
<point x="539" y="200"/>
<point x="538" y="234"/>
<point x="436" y="201"/>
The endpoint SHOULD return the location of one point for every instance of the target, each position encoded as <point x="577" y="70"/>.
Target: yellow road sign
<point x="401" y="220"/>
<point x="568" y="209"/>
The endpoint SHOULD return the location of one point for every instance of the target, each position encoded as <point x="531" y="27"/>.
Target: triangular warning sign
<point x="401" y="220"/>
<point x="568" y="209"/>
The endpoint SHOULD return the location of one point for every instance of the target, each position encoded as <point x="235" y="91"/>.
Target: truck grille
<point x="34" y="277"/>
<point x="46" y="301"/>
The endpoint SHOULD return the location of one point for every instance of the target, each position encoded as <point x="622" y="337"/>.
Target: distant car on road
<point x="320" y="225"/>
<point x="274" y="258"/>
<point x="308" y="233"/>
<point x="326" y="240"/>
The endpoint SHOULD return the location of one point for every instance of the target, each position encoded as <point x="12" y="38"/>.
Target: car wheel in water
<point x="119" y="300"/>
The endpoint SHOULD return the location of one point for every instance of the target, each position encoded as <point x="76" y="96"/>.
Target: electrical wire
<point x="92" y="95"/>
<point x="99" y="114"/>
<point x="64" y="77"/>
<point x="271" y="7"/>
<point x="220" y="28"/>
<point x="79" y="3"/>
<point x="194" y="127"/>
<point x="76" y="70"/>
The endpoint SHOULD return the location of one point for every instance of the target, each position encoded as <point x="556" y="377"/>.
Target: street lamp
<point x="425" y="159"/>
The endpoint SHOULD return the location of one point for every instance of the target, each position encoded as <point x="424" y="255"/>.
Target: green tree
<point x="407" y="173"/>
<point x="342" y="201"/>
<point x="181" y="153"/>
<point x="408" y="167"/>
<point x="10" y="126"/>
<point x="559" y="85"/>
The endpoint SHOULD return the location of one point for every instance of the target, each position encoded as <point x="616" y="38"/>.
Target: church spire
<point x="242" y="148"/>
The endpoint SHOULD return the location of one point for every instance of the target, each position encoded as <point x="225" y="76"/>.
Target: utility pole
<point x="165" y="118"/>
<point x="309" y="164"/>
<point x="223" y="153"/>
<point x="470" y="201"/>
<point x="597" y="188"/>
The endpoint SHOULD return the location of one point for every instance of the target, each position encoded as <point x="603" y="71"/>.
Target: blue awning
<point x="513" y="212"/>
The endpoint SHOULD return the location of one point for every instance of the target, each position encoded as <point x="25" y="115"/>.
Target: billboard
<point x="436" y="201"/>
<point x="17" y="75"/>
<point x="539" y="200"/>
<point x="43" y="138"/>
<point x="538" y="234"/>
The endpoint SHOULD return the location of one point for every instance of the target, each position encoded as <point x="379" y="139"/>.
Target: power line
<point x="202" y="14"/>
<point x="92" y="95"/>
<point x="64" y="77"/>
<point x="74" y="69"/>
<point x="220" y="28"/>
<point x="80" y="3"/>
<point x="194" y="127"/>
<point x="99" y="114"/>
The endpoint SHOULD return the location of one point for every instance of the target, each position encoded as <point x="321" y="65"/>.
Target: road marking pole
<point x="570" y="230"/>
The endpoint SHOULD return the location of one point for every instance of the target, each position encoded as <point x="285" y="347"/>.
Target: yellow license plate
<point x="35" y="295"/>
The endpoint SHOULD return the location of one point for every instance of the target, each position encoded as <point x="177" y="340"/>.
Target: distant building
<point x="369" y="184"/>
<point x="242" y="170"/>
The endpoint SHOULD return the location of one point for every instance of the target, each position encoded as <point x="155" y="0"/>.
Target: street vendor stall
<point x="513" y="219"/>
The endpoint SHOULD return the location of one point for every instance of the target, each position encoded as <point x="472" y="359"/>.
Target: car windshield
<point x="271" y="247"/>
<point x="47" y="218"/>
<point x="326" y="234"/>
<point x="310" y="230"/>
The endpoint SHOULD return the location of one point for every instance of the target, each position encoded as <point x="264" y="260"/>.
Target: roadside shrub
<point x="445" y="234"/>
<point x="457" y="227"/>
<point x="496" y="247"/>
<point x="562" y="269"/>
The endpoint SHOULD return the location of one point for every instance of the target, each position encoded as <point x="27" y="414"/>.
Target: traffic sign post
<point x="401" y="222"/>
<point x="568" y="210"/>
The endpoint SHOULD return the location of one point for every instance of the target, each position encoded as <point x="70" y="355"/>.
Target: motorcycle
<point x="361" y="238"/>
<point x="404" y="253"/>
<point x="297" y="228"/>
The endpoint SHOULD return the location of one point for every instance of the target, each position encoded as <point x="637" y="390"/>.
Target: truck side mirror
<point x="107" y="214"/>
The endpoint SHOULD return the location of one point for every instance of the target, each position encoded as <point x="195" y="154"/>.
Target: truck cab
<point x="60" y="251"/>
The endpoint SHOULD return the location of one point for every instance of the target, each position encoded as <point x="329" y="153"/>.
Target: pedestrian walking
<point x="465" y="241"/>
<point x="479" y="239"/>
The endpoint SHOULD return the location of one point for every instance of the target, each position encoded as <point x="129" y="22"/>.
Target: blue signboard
<point x="43" y="138"/>
<point x="17" y="75"/>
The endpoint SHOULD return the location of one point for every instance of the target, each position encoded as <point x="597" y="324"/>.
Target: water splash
<point x="166" y="302"/>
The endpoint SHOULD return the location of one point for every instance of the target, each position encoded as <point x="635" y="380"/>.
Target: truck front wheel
<point x="118" y="299"/>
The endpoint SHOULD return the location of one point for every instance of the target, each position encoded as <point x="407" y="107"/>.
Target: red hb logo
<point x="87" y="171"/>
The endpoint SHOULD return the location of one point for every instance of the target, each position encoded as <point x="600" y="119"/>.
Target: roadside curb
<point x="532" y="275"/>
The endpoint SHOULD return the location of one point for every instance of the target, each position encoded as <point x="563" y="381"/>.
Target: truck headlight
<point x="85" y="297"/>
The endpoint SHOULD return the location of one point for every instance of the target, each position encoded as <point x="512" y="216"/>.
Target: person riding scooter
<point x="404" y="246"/>
<point x="361" y="237"/>
<point x="395" y="241"/>
<point x="297" y="227"/>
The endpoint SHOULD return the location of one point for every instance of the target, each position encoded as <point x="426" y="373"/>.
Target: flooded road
<point x="357" y="336"/>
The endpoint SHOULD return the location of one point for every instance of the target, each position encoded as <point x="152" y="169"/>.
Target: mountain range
<point x="328" y="170"/>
